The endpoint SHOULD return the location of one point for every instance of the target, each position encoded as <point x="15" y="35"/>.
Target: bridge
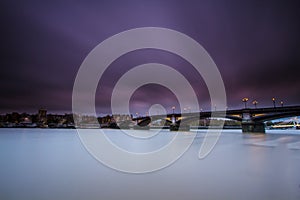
<point x="251" y="119"/>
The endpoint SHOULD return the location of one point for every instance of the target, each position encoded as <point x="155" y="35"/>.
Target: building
<point x="42" y="116"/>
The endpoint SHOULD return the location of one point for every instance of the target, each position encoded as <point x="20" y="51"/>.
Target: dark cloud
<point x="255" y="44"/>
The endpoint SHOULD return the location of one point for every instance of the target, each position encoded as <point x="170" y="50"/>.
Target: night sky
<point x="255" y="45"/>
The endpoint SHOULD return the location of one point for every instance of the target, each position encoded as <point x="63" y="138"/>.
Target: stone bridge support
<point x="251" y="126"/>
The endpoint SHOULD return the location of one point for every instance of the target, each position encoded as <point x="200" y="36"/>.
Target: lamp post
<point x="245" y="101"/>
<point x="273" y="99"/>
<point x="173" y="108"/>
<point x="137" y="116"/>
<point x="255" y="103"/>
<point x="281" y="103"/>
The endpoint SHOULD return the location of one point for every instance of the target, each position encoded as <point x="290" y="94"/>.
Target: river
<point x="53" y="164"/>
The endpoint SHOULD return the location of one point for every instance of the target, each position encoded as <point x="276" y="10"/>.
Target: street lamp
<point x="281" y="103"/>
<point x="255" y="103"/>
<point x="273" y="99"/>
<point x="173" y="108"/>
<point x="245" y="101"/>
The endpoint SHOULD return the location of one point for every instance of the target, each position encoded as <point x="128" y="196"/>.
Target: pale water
<point x="53" y="164"/>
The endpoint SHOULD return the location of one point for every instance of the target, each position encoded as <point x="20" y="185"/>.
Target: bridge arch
<point x="192" y="119"/>
<point x="275" y="116"/>
<point x="147" y="120"/>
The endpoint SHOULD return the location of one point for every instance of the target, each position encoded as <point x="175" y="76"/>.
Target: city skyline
<point x="254" y="44"/>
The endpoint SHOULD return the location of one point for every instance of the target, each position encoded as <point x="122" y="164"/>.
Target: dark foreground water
<point x="53" y="164"/>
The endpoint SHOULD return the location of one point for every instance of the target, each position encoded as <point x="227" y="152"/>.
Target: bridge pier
<point x="138" y="127"/>
<point x="177" y="127"/>
<point x="253" y="127"/>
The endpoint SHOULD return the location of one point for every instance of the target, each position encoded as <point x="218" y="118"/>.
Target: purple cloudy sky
<point x="255" y="44"/>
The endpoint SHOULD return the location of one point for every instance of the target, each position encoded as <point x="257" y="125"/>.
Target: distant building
<point x="15" y="117"/>
<point x="42" y="116"/>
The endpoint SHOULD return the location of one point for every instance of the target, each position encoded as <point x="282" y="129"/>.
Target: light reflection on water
<point x="53" y="164"/>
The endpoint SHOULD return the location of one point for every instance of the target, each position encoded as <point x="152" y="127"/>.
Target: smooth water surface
<point x="53" y="164"/>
